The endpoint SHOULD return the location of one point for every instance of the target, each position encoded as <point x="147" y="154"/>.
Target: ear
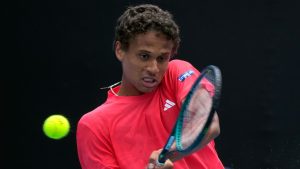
<point x="118" y="51"/>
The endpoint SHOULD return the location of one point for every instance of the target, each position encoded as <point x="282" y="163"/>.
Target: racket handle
<point x="159" y="164"/>
<point x="162" y="157"/>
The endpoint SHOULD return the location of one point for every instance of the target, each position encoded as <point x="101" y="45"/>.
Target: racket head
<point x="183" y="146"/>
<point x="198" y="110"/>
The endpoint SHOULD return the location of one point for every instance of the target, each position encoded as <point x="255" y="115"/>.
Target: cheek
<point x="130" y="69"/>
<point x="163" y="69"/>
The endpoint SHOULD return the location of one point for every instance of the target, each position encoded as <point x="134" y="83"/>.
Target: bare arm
<point x="212" y="133"/>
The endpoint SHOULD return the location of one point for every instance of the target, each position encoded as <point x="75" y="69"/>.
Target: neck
<point x="128" y="90"/>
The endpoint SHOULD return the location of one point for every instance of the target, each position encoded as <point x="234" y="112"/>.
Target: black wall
<point x="57" y="54"/>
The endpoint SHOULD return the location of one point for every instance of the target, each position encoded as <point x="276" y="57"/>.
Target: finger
<point x="152" y="159"/>
<point x="150" y="166"/>
<point x="168" y="164"/>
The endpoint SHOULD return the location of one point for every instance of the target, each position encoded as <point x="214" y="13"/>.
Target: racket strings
<point x="196" y="114"/>
<point x="195" y="117"/>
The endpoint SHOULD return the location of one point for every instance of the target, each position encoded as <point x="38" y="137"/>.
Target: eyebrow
<point x="148" y="52"/>
<point x="145" y="51"/>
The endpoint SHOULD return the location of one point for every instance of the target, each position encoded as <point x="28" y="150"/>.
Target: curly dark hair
<point x="143" y="18"/>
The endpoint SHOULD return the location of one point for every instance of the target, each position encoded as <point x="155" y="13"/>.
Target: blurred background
<point x="58" y="54"/>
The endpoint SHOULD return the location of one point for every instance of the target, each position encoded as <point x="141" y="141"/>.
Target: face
<point x="144" y="62"/>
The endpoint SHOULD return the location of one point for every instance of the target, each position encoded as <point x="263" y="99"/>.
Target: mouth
<point x="149" y="82"/>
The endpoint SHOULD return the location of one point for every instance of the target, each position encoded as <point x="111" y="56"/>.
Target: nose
<point x="152" y="67"/>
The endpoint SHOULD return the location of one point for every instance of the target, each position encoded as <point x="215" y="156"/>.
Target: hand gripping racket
<point x="195" y="116"/>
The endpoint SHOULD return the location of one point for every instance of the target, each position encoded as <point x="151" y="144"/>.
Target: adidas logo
<point x="168" y="104"/>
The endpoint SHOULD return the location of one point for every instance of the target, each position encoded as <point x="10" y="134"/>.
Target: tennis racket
<point x="195" y="115"/>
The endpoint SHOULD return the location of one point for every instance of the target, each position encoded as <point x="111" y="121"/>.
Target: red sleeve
<point x="179" y="78"/>
<point x="94" y="150"/>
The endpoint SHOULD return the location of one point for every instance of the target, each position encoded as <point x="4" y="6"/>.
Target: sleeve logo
<point x="185" y="75"/>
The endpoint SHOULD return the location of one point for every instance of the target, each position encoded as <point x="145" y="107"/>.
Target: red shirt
<point x="123" y="131"/>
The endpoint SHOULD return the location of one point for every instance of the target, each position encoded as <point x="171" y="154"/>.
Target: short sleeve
<point x="179" y="78"/>
<point x="94" y="149"/>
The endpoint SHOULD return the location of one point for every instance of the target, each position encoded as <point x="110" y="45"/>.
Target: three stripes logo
<point x="168" y="104"/>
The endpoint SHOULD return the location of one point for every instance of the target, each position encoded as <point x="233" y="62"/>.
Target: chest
<point x="149" y="117"/>
<point x="140" y="128"/>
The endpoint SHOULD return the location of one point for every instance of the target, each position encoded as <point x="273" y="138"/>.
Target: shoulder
<point x="97" y="117"/>
<point x="179" y="78"/>
<point x="178" y="69"/>
<point x="180" y="66"/>
<point x="106" y="113"/>
<point x="178" y="63"/>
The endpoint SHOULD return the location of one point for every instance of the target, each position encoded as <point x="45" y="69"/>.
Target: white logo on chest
<point x="168" y="104"/>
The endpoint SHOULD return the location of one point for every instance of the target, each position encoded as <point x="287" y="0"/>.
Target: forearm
<point x="212" y="133"/>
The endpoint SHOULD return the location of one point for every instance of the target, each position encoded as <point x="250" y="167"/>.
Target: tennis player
<point x="129" y="129"/>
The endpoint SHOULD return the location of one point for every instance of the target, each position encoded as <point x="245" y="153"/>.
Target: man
<point x="130" y="128"/>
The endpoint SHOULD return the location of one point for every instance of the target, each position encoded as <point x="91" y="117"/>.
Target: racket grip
<point x="162" y="158"/>
<point x="164" y="155"/>
<point x="160" y="161"/>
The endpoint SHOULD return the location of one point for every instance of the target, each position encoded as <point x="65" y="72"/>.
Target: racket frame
<point x="176" y="131"/>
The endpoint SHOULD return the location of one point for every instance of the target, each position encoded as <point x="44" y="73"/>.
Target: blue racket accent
<point x="170" y="142"/>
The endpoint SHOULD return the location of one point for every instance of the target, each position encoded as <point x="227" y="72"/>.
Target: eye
<point x="162" y="58"/>
<point x="144" y="56"/>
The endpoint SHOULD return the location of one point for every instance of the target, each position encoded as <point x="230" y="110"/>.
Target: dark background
<point x="57" y="55"/>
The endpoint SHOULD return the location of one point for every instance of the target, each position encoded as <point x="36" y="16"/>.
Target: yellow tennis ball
<point x="56" y="126"/>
